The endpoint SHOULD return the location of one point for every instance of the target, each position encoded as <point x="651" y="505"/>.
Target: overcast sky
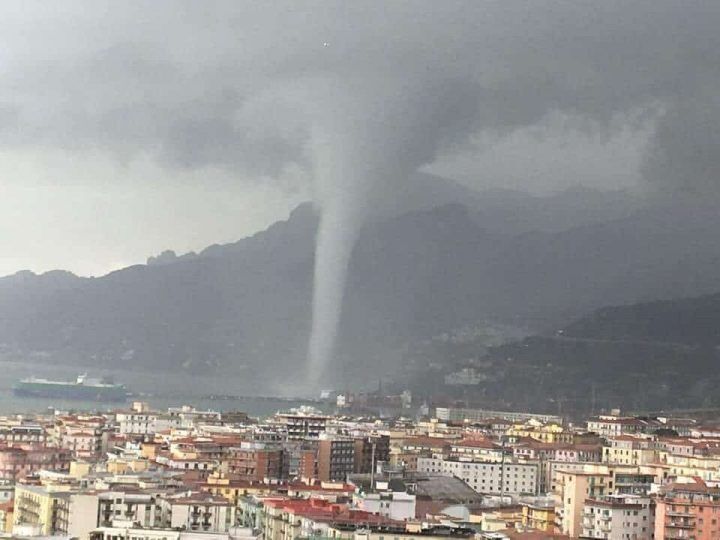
<point x="127" y="128"/>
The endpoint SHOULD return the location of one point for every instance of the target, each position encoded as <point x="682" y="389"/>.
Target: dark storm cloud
<point x="216" y="83"/>
<point x="684" y="157"/>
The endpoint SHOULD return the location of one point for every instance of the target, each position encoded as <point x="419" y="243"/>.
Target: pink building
<point x="17" y="463"/>
<point x="85" y="436"/>
<point x="688" y="511"/>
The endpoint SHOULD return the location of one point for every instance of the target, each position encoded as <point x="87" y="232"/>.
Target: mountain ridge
<point x="652" y="356"/>
<point x="246" y="305"/>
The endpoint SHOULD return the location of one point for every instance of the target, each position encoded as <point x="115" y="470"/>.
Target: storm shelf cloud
<point x="343" y="101"/>
<point x="217" y="84"/>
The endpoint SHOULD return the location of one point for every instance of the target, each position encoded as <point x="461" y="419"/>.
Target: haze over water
<point x="160" y="390"/>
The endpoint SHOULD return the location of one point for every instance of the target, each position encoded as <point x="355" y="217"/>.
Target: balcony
<point x="679" y="525"/>
<point x="28" y="512"/>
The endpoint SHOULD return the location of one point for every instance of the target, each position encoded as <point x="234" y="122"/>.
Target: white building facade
<point x="511" y="477"/>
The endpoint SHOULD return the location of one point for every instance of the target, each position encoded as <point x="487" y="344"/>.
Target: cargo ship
<point x="82" y="388"/>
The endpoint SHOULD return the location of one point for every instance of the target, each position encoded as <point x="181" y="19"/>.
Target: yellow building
<point x="6" y="516"/>
<point x="547" y="433"/>
<point x="538" y="516"/>
<point x="629" y="450"/>
<point x="500" y="519"/>
<point x="80" y="469"/>
<point x="150" y="450"/>
<point x="574" y="484"/>
<point x="406" y="460"/>
<point x="705" y="467"/>
<point x="571" y="490"/>
<point x="40" y="512"/>
<point x="127" y="465"/>
<point x="220" y="485"/>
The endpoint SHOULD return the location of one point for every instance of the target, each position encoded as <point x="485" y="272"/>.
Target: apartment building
<point x="17" y="463"/>
<point x="542" y="432"/>
<point x="254" y="462"/>
<point x="130" y="531"/>
<point x="550" y="456"/>
<point x="407" y="532"/>
<point x="511" y="477"/>
<point x="619" y="517"/>
<point x="688" y="510"/>
<point x="480" y="449"/>
<point x="302" y="424"/>
<point x="289" y="519"/>
<point x="630" y="450"/>
<point x="85" y="436"/>
<point x="198" y="511"/>
<point x="335" y="458"/>
<point x="417" y="443"/>
<point x="614" y="426"/>
<point x="706" y="467"/>
<point x="538" y="514"/>
<point x="136" y="506"/>
<point x="369" y="451"/>
<point x="193" y="469"/>
<point x="190" y="417"/>
<point x="389" y="498"/>
<point x="144" y="423"/>
<point x="22" y="434"/>
<point x="629" y="480"/>
<point x="450" y="414"/>
<point x="40" y="512"/>
<point x="572" y="487"/>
